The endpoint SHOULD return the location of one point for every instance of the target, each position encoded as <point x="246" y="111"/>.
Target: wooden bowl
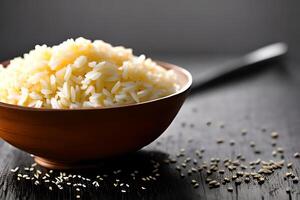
<point x="63" y="138"/>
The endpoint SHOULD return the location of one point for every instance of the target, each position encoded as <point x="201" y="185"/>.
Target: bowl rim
<point x="161" y="63"/>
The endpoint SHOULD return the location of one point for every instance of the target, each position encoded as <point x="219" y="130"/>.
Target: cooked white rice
<point x="80" y="73"/>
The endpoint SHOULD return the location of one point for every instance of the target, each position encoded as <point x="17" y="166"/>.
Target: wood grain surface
<point x="268" y="99"/>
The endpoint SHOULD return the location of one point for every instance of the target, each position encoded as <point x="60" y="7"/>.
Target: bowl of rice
<point x="83" y="100"/>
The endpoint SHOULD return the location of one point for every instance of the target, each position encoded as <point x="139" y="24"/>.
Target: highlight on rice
<point x="83" y="74"/>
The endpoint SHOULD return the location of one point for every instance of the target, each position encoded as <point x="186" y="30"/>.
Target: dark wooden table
<point x="260" y="102"/>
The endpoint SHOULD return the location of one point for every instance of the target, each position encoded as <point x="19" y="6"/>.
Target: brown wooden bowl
<point x="65" y="138"/>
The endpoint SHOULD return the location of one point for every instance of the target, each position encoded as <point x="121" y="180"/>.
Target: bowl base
<point x="52" y="164"/>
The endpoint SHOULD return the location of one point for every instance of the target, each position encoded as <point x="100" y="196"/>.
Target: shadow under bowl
<point x="65" y="138"/>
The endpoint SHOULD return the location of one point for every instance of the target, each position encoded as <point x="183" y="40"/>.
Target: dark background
<point x="200" y="35"/>
<point x="168" y="26"/>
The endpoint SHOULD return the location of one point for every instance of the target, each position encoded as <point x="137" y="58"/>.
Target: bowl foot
<point x="52" y="164"/>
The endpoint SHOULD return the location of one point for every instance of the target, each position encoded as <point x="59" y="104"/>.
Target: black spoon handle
<point x="265" y="54"/>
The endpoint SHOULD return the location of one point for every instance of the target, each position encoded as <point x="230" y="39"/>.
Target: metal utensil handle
<point x="264" y="54"/>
